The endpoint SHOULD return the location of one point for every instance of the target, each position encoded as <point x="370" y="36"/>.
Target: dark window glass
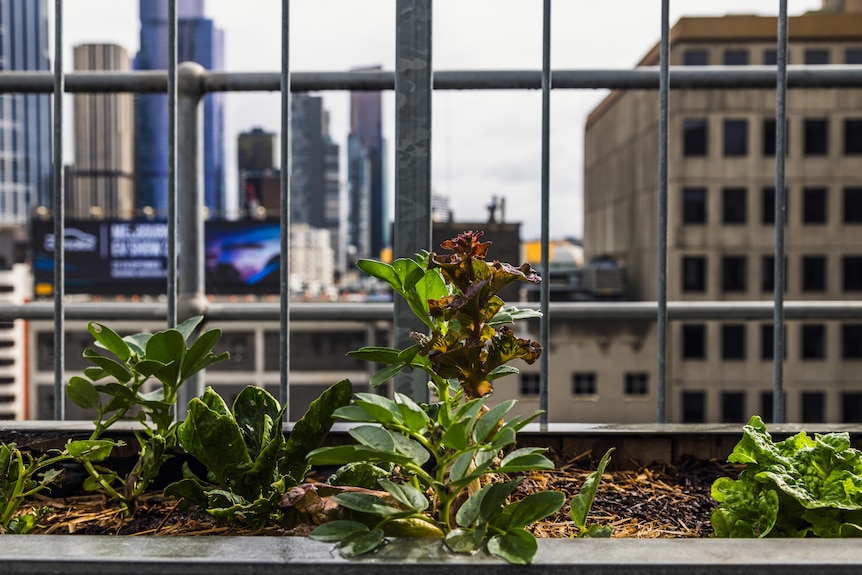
<point x="694" y="137"/>
<point x="693" y="341"/>
<point x="693" y="407"/>
<point x="767" y="274"/>
<point x="767" y="215"/>
<point x="767" y="342"/>
<point x="851" y="407"/>
<point x="733" y="341"/>
<point x="694" y="273"/>
<point x="813" y="273"/>
<point x="769" y="137"/>
<point x="530" y="384"/>
<point x="584" y="383"/>
<point x="734" y="205"/>
<point x="853" y="137"/>
<point x="852" y="273"/>
<point x="816" y="134"/>
<point x="770" y="57"/>
<point x="853" y="205"/>
<point x="733" y="274"/>
<point x="813" y="341"/>
<point x="732" y="407"/>
<point x="695" y="58"/>
<point x="853" y="56"/>
<point x="851" y="341"/>
<point x="240" y="344"/>
<point x="736" y="57"/>
<point x="735" y="138"/>
<point x="636" y="383"/>
<point x="694" y="206"/>
<point x="813" y="407"/>
<point x="814" y="206"/>
<point x="766" y="406"/>
<point x="816" y="57"/>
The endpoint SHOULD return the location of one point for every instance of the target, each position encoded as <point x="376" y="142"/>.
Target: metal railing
<point x="412" y="81"/>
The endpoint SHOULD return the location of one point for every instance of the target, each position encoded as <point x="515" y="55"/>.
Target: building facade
<point x="101" y="183"/>
<point x="721" y="213"/>
<point x="25" y="119"/>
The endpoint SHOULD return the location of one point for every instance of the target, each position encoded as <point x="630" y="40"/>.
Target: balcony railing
<point x="413" y="81"/>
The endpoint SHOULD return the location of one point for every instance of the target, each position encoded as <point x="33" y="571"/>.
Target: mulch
<point x="648" y="502"/>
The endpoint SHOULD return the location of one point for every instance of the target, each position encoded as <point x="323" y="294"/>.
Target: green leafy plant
<point x="452" y="455"/>
<point x="22" y="475"/>
<point x="793" y="488"/>
<point x="116" y="387"/>
<point x="249" y="463"/>
<point x="583" y="502"/>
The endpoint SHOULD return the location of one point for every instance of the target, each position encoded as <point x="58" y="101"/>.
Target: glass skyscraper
<point x="25" y="119"/>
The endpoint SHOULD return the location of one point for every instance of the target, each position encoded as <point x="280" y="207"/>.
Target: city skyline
<point x="486" y="143"/>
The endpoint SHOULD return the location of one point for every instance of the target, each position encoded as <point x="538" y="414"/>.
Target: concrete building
<point x="101" y="183"/>
<point x="721" y="211"/>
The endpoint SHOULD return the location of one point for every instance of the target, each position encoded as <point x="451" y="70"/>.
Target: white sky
<point x="484" y="143"/>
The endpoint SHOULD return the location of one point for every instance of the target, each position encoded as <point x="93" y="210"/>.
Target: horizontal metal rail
<point x="645" y="78"/>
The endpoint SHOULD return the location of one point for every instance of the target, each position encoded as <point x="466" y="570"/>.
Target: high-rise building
<point x="102" y="181"/>
<point x="256" y="150"/>
<point x="25" y="119"/>
<point x="198" y="40"/>
<point x="368" y="228"/>
<point x="721" y="214"/>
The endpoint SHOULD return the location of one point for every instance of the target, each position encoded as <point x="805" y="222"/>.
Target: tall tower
<point x="198" y="40"/>
<point x="101" y="183"/>
<point x="368" y="206"/>
<point x="25" y="119"/>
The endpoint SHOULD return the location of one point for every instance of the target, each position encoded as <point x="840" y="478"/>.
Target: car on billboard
<point x="74" y="240"/>
<point x="249" y="260"/>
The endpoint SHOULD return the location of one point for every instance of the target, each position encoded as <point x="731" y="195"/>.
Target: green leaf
<point x="199" y="356"/>
<point x="413" y="415"/>
<point x="465" y="540"/>
<point x="457" y="436"/>
<point x="112" y="367"/>
<point x="431" y="286"/>
<point x="92" y="450"/>
<point x="486" y="424"/>
<point x="386" y="374"/>
<point x="110" y="340"/>
<point x="383" y="409"/>
<point x="359" y="543"/>
<point x="83" y="393"/>
<point x="337" y="530"/>
<point x="406" y="494"/>
<point x="367" y="503"/>
<point x="377" y="354"/>
<point x="534" y="507"/>
<point x="411" y="449"/>
<point x="484" y="503"/>
<point x="354" y="413"/>
<point x="595" y="531"/>
<point x="381" y="271"/>
<point x="525" y="459"/>
<point x="169" y="348"/>
<point x="516" y="546"/>
<point x="500" y="371"/>
<point x="373" y="437"/>
<point x="137" y="343"/>
<point x="342" y="454"/>
<point x="258" y="416"/>
<point x="583" y="501"/>
<point x="187" y="327"/>
<point x="409" y="272"/>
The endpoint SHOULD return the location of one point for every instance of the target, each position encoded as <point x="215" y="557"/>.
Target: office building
<point x="101" y="182"/>
<point x="721" y="214"/>
<point x="25" y="119"/>
<point x="198" y="40"/>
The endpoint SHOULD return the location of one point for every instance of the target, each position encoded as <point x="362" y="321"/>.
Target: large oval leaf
<point x="110" y="340"/>
<point x="515" y="546"/>
<point x="83" y="393"/>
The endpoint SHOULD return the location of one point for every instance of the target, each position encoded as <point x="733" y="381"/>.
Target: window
<point x="734" y="205"/>
<point x="695" y="58"/>
<point x="584" y="383"/>
<point x="813" y="341"/>
<point x="816" y="136"/>
<point x="766" y="404"/>
<point x="636" y="383"/>
<point x="530" y="384"/>
<point x="851" y="407"/>
<point x="767" y="274"/>
<point x="767" y="341"/>
<point x="852" y="270"/>
<point x="813" y="407"/>
<point x="732" y="407"/>
<point x="733" y="276"/>
<point x="813" y="273"/>
<point x="816" y="57"/>
<point x="694" y="206"/>
<point x="853" y="205"/>
<point x="769" y="137"/>
<point x="768" y="206"/>
<point x="853" y="56"/>
<point x="735" y="138"/>
<point x="853" y="137"/>
<point x="693" y="407"/>
<point x="736" y="57"/>
<point x="693" y="341"/>
<point x="851" y="341"/>
<point x="770" y="57"/>
<point x="694" y="273"/>
<point x="694" y="137"/>
<point x="733" y="341"/>
<point x="814" y="206"/>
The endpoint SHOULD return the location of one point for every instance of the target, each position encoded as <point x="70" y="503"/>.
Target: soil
<point x="652" y="501"/>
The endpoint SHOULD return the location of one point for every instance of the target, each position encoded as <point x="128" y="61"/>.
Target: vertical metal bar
<point x="413" y="78"/>
<point x="284" y="270"/>
<point x="172" y="164"/>
<point x="780" y="156"/>
<point x="545" y="321"/>
<point x="59" y="224"/>
<point x="661" y="324"/>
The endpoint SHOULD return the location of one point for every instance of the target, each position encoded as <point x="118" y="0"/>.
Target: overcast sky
<point x="484" y="143"/>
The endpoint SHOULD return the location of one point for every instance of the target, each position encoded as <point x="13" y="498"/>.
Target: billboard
<point x="130" y="258"/>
